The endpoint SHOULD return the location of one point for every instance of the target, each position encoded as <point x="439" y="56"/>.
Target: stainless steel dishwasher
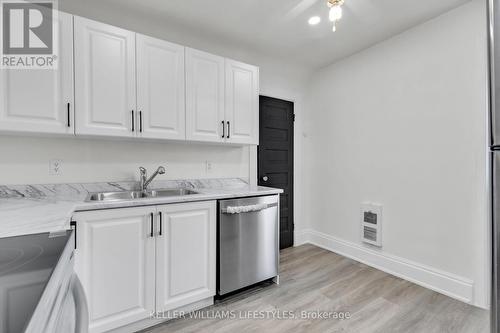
<point x="248" y="242"/>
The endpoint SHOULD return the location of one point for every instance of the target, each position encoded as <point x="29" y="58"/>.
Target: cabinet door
<point x="104" y="79"/>
<point x="204" y="96"/>
<point x="160" y="89"/>
<point x="115" y="262"/>
<point x="37" y="100"/>
<point x="242" y="102"/>
<point x="185" y="262"/>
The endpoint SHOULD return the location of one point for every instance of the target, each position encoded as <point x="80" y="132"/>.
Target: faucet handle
<point x="142" y="170"/>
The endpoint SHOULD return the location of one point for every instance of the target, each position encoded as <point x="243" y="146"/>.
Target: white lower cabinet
<point x="136" y="261"/>
<point x="185" y="255"/>
<point x="116" y="264"/>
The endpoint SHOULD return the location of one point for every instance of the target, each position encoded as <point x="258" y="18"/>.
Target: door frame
<point x="292" y="187"/>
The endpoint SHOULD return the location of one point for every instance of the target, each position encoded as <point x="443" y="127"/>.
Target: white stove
<point x="39" y="291"/>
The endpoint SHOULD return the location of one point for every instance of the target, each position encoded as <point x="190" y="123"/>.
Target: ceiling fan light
<point x="314" y="20"/>
<point x="335" y="13"/>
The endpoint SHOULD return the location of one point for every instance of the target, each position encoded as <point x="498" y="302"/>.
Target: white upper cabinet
<point x="204" y="96"/>
<point x="131" y="85"/>
<point x="38" y="100"/>
<point x="160" y="89"/>
<point x="105" y="87"/>
<point x="242" y="102"/>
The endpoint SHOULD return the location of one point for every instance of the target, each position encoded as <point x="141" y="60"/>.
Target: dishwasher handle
<point x="247" y="209"/>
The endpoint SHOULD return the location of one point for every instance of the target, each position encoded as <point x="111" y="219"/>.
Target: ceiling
<point x="279" y="28"/>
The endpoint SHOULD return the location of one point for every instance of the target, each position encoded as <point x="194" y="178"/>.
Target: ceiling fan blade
<point x="362" y="6"/>
<point x="299" y="8"/>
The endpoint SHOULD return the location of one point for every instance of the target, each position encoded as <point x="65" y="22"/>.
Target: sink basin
<point x="174" y="192"/>
<point x="116" y="196"/>
<point x="132" y="195"/>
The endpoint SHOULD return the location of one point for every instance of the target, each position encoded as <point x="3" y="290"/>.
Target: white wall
<point x="26" y="160"/>
<point x="403" y="124"/>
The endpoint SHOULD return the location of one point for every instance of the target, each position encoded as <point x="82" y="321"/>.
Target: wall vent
<point x="371" y="224"/>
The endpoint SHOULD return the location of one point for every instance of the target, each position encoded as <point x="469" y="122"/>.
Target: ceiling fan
<point x="335" y="9"/>
<point x="335" y="13"/>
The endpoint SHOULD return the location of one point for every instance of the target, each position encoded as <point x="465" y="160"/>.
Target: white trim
<point x="440" y="281"/>
<point x="252" y="167"/>
<point x="150" y="322"/>
<point x="300" y="237"/>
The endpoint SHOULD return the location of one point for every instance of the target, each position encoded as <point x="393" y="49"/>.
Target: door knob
<point x="265" y="178"/>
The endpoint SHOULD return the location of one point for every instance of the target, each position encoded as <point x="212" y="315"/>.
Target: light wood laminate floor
<point x="313" y="279"/>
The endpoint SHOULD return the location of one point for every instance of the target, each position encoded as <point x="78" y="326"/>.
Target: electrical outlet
<point x="55" y="167"/>
<point x="208" y="166"/>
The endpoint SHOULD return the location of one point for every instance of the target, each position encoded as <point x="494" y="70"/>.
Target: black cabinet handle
<point x="228" y="129"/>
<point x="152" y="221"/>
<point x="223" y="129"/>
<point x="161" y="222"/>
<point x="133" y="121"/>
<point x="69" y="114"/>
<point x="140" y="121"/>
<point x="74" y="227"/>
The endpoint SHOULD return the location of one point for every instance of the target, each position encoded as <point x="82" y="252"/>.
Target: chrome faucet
<point x="145" y="181"/>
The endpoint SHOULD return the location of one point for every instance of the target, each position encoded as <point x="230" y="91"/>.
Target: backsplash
<point x="88" y="161"/>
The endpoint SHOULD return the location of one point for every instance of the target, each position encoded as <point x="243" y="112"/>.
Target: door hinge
<point x="293" y="117"/>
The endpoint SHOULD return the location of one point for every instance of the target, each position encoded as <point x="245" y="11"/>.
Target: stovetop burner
<point x="13" y="259"/>
<point x="26" y="265"/>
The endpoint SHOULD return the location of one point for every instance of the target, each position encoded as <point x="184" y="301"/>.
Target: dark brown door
<point x="275" y="155"/>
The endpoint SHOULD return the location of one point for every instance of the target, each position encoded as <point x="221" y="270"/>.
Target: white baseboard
<point x="442" y="282"/>
<point x="150" y="322"/>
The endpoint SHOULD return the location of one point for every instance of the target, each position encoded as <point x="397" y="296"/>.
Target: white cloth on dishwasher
<point x="245" y="209"/>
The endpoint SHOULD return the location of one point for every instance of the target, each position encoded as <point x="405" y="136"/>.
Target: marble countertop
<point x="30" y="209"/>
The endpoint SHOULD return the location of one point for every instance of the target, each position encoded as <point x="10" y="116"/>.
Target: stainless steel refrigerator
<point x="494" y="79"/>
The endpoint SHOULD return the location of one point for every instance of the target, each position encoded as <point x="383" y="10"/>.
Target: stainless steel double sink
<point x="132" y="195"/>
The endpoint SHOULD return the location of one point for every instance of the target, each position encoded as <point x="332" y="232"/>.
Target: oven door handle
<point x="82" y="309"/>
<point x="247" y="209"/>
